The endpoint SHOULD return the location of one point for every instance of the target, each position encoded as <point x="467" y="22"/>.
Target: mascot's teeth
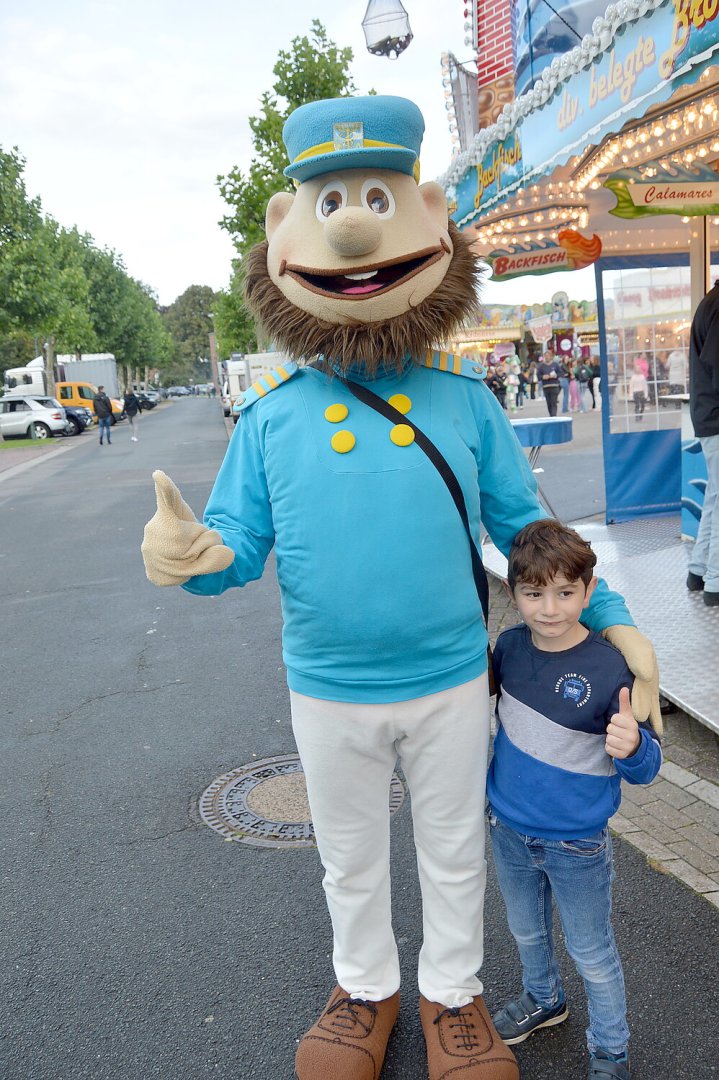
<point x="360" y="277"/>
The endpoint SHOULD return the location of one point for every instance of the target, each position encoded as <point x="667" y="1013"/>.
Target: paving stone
<point x="628" y="810"/>
<point x="622" y="825"/>
<point x="708" y="793"/>
<point x="705" y="814"/>
<point x="661" y="832"/>
<point x="683" y="756"/>
<point x="702" y="838"/>
<point x="649" y="845"/>
<point x="675" y="774"/>
<point x="689" y="875"/>
<point x="638" y="794"/>
<point x="695" y="856"/>
<point x="675" y="796"/>
<point x="713" y="898"/>
<point x="675" y="819"/>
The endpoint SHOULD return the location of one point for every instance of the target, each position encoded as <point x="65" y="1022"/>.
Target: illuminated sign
<point x="573" y="252"/>
<point x="689" y="192"/>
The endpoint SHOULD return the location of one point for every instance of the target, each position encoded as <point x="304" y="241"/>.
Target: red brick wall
<point x="495" y="44"/>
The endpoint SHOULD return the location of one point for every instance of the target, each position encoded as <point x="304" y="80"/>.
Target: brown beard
<point x="387" y="343"/>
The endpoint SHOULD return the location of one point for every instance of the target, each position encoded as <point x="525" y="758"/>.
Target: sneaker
<point x="520" y="1018"/>
<point x="711" y="599"/>
<point x="349" y="1040"/>
<point x="133" y="438"/>
<point x="603" y="1066"/>
<point x="695" y="583"/>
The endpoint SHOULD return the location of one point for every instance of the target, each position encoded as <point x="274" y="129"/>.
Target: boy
<point x="566" y="737"/>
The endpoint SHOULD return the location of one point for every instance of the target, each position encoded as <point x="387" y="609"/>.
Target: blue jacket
<point x="550" y="775"/>
<point x="378" y="598"/>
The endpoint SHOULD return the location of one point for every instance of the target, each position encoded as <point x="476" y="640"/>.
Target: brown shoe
<point x="462" y="1044"/>
<point x="349" y="1040"/>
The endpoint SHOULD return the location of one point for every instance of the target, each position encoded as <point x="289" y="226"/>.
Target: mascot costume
<point x="361" y="278"/>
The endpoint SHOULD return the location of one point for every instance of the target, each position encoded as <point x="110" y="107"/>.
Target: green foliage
<point x="234" y="326"/>
<point x="314" y="68"/>
<point x="55" y="283"/>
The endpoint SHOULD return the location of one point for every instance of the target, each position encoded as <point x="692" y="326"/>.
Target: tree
<point x="26" y="293"/>
<point x="312" y="69"/>
<point x="189" y="323"/>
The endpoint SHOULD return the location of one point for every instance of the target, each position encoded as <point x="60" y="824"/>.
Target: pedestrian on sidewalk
<point x="566" y="738"/>
<point x="103" y="412"/>
<point x="548" y="377"/>
<point x="132" y="410"/>
<point x="704" y="409"/>
<point x="639" y="389"/>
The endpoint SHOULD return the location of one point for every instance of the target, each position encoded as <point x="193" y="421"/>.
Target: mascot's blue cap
<point x="353" y="133"/>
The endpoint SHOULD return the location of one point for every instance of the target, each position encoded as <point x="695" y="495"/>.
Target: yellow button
<point x="343" y="441"/>
<point x="336" y="413"/>
<point x="401" y="403"/>
<point x="402" y="435"/>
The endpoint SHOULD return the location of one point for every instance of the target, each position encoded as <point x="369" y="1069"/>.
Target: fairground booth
<point x="604" y="149"/>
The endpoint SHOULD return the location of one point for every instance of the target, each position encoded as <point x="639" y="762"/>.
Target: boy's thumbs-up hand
<point x="176" y="546"/>
<point x="623" y="737"/>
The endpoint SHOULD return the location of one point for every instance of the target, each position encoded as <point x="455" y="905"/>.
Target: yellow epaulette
<point x="264" y="385"/>
<point x="455" y="365"/>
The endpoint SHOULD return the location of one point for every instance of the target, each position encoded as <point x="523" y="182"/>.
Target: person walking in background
<point x="566" y="727"/>
<point x="563" y="381"/>
<point x="595" y="383"/>
<point x="704" y="409"/>
<point x="532" y="379"/>
<point x="639" y="389"/>
<point x="584" y="378"/>
<point x="575" y="403"/>
<point x="548" y="376"/>
<point x="103" y="412"/>
<point x="132" y="409"/>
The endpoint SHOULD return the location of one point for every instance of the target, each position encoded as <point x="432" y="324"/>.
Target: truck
<point x="241" y="370"/>
<point x="76" y="380"/>
<point x="97" y="369"/>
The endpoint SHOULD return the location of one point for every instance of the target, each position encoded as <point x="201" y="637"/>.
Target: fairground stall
<point x="611" y="159"/>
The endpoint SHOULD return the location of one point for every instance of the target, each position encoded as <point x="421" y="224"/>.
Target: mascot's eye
<point x="378" y="197"/>
<point x="331" y="202"/>
<point x="332" y="198"/>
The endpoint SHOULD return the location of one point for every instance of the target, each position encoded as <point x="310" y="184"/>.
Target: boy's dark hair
<point x="545" y="548"/>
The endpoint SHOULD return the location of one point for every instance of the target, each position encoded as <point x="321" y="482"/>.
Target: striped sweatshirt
<point x="550" y="775"/>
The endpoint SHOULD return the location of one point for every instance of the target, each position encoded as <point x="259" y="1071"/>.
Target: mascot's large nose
<point x="353" y="231"/>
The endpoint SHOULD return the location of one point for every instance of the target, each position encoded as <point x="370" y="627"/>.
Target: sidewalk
<point x="674" y="821"/>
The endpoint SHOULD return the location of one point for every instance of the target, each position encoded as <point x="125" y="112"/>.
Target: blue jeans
<point x="577" y="875"/>
<point x="564" y="384"/>
<point x="105" y="423"/>
<point x="704" y="559"/>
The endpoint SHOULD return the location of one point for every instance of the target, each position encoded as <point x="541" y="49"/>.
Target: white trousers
<point x="348" y="753"/>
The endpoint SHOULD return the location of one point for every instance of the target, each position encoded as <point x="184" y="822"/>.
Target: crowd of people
<point x="514" y="381"/>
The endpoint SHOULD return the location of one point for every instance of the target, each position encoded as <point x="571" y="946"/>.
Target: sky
<point x="126" y="111"/>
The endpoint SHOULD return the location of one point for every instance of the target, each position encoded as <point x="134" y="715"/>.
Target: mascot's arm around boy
<point x="364" y="275"/>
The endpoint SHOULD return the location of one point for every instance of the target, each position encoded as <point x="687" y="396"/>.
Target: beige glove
<point x="175" y="546"/>
<point x="641" y="660"/>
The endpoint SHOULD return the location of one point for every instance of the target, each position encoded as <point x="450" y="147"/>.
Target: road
<point x="135" y="942"/>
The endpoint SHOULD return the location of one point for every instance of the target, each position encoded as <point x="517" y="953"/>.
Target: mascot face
<point x="362" y="265"/>
<point x="359" y="244"/>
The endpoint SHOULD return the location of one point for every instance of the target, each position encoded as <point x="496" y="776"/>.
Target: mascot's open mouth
<point x="356" y="283"/>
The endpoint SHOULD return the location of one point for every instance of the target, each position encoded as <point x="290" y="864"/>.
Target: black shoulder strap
<point x="440" y="463"/>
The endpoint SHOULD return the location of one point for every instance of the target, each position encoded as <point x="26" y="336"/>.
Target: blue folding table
<point x="534" y="433"/>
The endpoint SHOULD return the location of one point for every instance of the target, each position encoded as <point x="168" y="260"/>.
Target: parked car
<point x="31" y="415"/>
<point x="145" y="401"/>
<point x="149" y="393"/>
<point x="178" y="391"/>
<point x="78" y="418"/>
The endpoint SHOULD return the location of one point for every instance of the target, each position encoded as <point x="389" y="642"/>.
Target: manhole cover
<point x="265" y="804"/>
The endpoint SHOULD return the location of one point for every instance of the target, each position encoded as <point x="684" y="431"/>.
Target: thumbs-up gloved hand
<point x="640" y="658"/>
<point x="176" y="546"/>
<point x="623" y="738"/>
